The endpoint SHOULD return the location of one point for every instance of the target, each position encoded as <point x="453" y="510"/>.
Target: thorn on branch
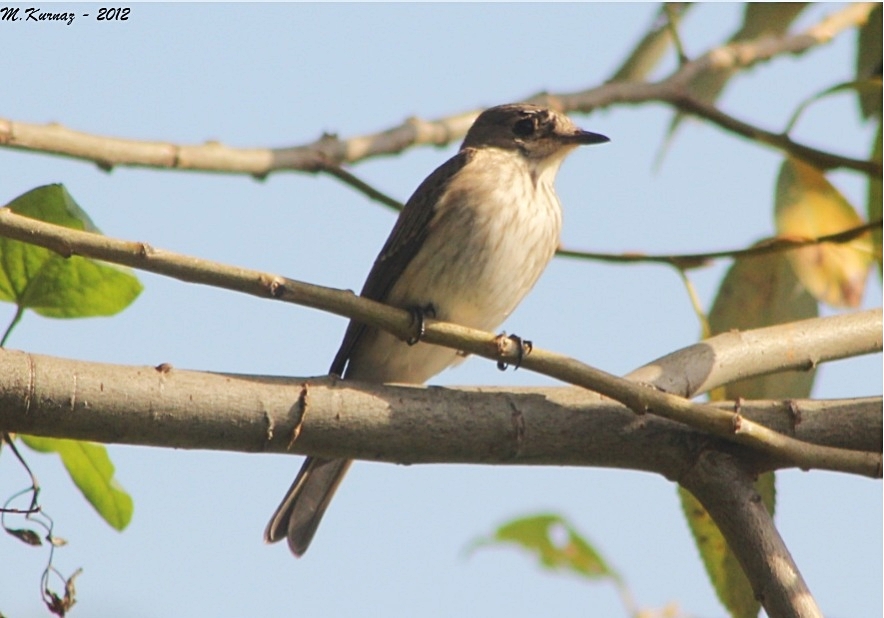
<point x="64" y="249"/>
<point x="276" y="287"/>
<point x="144" y="250"/>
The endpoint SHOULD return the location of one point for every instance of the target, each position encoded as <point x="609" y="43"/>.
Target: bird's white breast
<point x="490" y="239"/>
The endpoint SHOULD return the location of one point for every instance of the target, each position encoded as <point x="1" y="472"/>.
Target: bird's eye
<point x="524" y="127"/>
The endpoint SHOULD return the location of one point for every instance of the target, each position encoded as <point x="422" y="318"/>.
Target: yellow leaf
<point x="809" y="206"/>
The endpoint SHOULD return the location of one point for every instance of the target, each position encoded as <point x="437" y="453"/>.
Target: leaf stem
<point x="19" y="312"/>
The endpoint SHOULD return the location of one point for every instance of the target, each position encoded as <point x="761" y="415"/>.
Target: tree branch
<point x="675" y="89"/>
<point x="329" y="152"/>
<point x="737" y="355"/>
<point x="724" y="485"/>
<point x="695" y="260"/>
<point x="326" y="152"/>
<point x="728" y="425"/>
<point x="164" y="406"/>
<point x="680" y="261"/>
<point x="690" y="104"/>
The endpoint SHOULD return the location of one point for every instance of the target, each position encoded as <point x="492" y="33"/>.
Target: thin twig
<point x="682" y="262"/>
<point x="672" y="19"/>
<point x="690" y="104"/>
<point x="363" y="187"/>
<point x="687" y="261"/>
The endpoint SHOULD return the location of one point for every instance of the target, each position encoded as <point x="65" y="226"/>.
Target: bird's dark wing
<point x="405" y="241"/>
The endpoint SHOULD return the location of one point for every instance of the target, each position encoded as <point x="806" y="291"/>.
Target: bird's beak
<point x="581" y="137"/>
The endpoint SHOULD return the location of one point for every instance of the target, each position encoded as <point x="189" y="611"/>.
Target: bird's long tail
<point x="300" y="512"/>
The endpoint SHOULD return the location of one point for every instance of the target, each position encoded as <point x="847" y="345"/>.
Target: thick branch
<point x="326" y="152"/>
<point x="737" y="355"/>
<point x="641" y="399"/>
<point x="329" y="151"/>
<point x="164" y="406"/>
<point x="724" y="485"/>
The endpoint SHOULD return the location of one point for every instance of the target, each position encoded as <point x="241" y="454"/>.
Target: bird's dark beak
<point x="584" y="138"/>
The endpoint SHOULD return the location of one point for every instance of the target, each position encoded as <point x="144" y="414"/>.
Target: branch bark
<point x="724" y="485"/>
<point x="729" y="425"/>
<point x="737" y="355"/>
<point x="168" y="407"/>
<point x="552" y="426"/>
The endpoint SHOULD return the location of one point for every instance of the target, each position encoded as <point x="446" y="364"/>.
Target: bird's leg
<point x="418" y="314"/>
<point x="523" y="348"/>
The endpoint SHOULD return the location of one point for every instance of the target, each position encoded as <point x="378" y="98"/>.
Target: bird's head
<point x="536" y="132"/>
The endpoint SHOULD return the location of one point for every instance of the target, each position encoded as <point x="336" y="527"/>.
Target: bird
<point x="467" y="247"/>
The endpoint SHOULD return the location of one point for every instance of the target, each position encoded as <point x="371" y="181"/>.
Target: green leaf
<point x="760" y="19"/>
<point x="757" y="291"/>
<point x="809" y="206"/>
<point x="93" y="473"/>
<point x="874" y="203"/>
<point x="866" y="87"/>
<point x="554" y="542"/>
<point x="868" y="62"/>
<point x="41" y="280"/>
<point x="763" y="291"/>
<point x="767" y="19"/>
<point x="730" y="583"/>
<point x="650" y="50"/>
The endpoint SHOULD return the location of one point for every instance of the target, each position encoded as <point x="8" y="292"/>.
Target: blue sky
<point x="391" y="544"/>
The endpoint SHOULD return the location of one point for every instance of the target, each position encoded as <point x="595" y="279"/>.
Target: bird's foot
<point x="504" y="349"/>
<point x="418" y="315"/>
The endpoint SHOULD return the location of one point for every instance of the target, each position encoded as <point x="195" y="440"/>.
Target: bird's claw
<point x="523" y="348"/>
<point x="418" y="315"/>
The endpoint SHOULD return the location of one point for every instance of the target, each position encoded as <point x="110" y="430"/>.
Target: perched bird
<point x="468" y="246"/>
